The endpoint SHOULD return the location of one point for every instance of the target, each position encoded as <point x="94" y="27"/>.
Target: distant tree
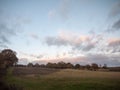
<point x="54" y="65"/>
<point x="8" y="58"/>
<point x="77" y="66"/>
<point x="88" y="66"/>
<point x="69" y="65"/>
<point x="105" y="66"/>
<point x="36" y="65"/>
<point x="49" y="65"/>
<point x="94" y="66"/>
<point x="61" y="65"/>
<point x="30" y="65"/>
<point x="42" y="65"/>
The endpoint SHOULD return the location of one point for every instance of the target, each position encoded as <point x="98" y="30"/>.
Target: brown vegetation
<point x="33" y="71"/>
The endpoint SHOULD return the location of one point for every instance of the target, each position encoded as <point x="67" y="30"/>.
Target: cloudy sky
<point x="76" y="31"/>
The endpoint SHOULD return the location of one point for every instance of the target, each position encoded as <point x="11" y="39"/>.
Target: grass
<point x="68" y="80"/>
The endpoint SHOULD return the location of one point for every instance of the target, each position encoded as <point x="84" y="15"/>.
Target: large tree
<point x="8" y="58"/>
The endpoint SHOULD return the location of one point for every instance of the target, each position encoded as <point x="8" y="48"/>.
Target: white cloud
<point x="114" y="45"/>
<point x="23" y="61"/>
<point x="74" y="40"/>
<point x="30" y="57"/>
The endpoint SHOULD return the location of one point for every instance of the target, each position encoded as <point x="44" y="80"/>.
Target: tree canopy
<point x="8" y="58"/>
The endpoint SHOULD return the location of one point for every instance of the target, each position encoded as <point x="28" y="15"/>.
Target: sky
<point x="75" y="31"/>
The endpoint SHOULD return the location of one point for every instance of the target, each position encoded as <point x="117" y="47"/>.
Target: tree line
<point x="63" y="65"/>
<point x="8" y="58"/>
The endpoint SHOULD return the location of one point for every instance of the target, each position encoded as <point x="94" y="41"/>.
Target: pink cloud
<point x="75" y="40"/>
<point x="114" y="42"/>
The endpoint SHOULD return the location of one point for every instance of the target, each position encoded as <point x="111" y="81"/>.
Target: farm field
<point x="65" y="79"/>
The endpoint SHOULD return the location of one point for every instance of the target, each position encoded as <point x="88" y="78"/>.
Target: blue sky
<point x="76" y="31"/>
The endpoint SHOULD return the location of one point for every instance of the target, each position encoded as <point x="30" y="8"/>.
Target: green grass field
<point x="68" y="79"/>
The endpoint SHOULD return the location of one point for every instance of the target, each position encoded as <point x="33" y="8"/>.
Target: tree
<point x="105" y="66"/>
<point x="36" y="65"/>
<point x="42" y="65"/>
<point x="88" y="66"/>
<point x="61" y="65"/>
<point x="69" y="65"/>
<point x="77" y="66"/>
<point x="49" y="65"/>
<point x="8" y="58"/>
<point x="94" y="66"/>
<point x="30" y="65"/>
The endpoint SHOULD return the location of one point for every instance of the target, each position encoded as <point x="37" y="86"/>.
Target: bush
<point x="4" y="86"/>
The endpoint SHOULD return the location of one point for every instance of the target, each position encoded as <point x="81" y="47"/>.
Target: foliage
<point x="36" y="65"/>
<point x="59" y="65"/>
<point x="7" y="58"/>
<point x="94" y="66"/>
<point x="77" y="66"/>
<point x="88" y="66"/>
<point x="30" y="65"/>
<point x="64" y="65"/>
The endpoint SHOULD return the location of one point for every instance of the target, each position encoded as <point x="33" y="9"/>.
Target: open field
<point x="33" y="71"/>
<point x="66" y="79"/>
